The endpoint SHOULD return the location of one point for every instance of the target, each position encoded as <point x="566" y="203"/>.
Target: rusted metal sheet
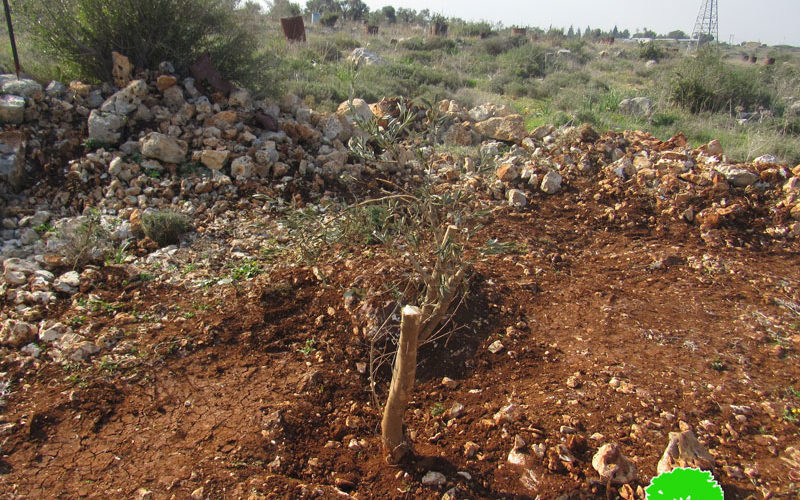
<point x="372" y="29"/>
<point x="204" y="73"/>
<point x="293" y="28"/>
<point x="519" y="31"/>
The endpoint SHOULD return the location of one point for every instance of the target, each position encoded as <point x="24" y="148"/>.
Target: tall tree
<point x="390" y="14"/>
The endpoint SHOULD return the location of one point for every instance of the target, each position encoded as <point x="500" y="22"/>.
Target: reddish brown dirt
<point x="251" y="389"/>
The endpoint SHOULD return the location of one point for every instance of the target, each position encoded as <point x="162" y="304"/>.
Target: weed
<point x="92" y="144"/>
<point x="85" y="240"/>
<point x="165" y="227"/>
<point x="308" y="347"/>
<point x="437" y="409"/>
<point x="718" y="365"/>
<point x="145" y="277"/>
<point x="77" y="321"/>
<point x="107" y="364"/>
<point x="119" y="254"/>
<point x="792" y="415"/>
<point x="246" y="270"/>
<point x="44" y="227"/>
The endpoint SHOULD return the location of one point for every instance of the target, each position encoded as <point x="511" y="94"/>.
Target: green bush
<point x="649" y="51"/>
<point x="165" y="227"/>
<point x="329" y="19"/>
<point x="527" y="61"/>
<point x="481" y="29"/>
<point x="706" y="83"/>
<point x="81" y="34"/>
<point x="499" y="45"/>
<point x="436" y="43"/>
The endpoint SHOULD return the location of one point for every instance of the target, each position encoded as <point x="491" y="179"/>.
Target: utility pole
<point x="11" y="36"/>
<point x="707" y="21"/>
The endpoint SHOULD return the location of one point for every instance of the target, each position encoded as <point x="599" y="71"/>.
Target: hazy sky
<point x="768" y="21"/>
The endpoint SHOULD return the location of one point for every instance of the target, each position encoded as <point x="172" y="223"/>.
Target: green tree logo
<point x="684" y="484"/>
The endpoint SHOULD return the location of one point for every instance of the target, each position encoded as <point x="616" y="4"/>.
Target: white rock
<point x="214" y="159"/>
<point x="496" y="347"/>
<point x="517" y="198"/>
<point x="433" y="478"/>
<point x="240" y="98"/>
<point x="126" y="100"/>
<point x="738" y="176"/>
<point x="765" y="159"/>
<point x="637" y="106"/>
<point x="163" y="147"/>
<point x="17" y="333"/>
<point x="613" y="466"/>
<point x="684" y="450"/>
<point x="242" y="168"/>
<point x="83" y="351"/>
<point x="54" y="332"/>
<point x="551" y="182"/>
<point x="12" y="109"/>
<point x="32" y="350"/>
<point x="104" y="127"/>
<point x="67" y="282"/>
<point x="365" y="57"/>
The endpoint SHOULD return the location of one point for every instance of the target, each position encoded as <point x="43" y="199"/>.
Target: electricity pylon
<point x="707" y="23"/>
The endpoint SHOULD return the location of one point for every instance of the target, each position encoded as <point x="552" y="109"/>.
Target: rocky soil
<point x="633" y="304"/>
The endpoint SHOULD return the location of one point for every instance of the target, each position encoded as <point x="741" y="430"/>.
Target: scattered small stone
<point x="496" y="347"/>
<point x="613" y="466"/>
<point x="684" y="450"/>
<point x="433" y="478"/>
<point x="449" y="383"/>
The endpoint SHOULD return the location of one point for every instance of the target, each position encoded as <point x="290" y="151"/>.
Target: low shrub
<point x="649" y="51"/>
<point x="329" y="19"/>
<point x="706" y="83"/>
<point x="81" y="34"/>
<point x="165" y="227"/>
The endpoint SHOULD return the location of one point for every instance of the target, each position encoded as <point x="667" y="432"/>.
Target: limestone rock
<point x="485" y="111"/>
<point x="127" y="100"/>
<point x="104" y="127"/>
<point x="432" y="478"/>
<point x="16" y="271"/>
<point x="738" y="176"/>
<point x="508" y="172"/>
<point x="509" y="128"/>
<point x="12" y="159"/>
<point x="67" y="282"/>
<point x="240" y="98"/>
<point x="613" y="466"/>
<point x="332" y="129"/>
<point x="22" y="87"/>
<point x="766" y="159"/>
<point x="714" y="148"/>
<point x="459" y="134"/>
<point x="684" y="450"/>
<point x="551" y="182"/>
<point x="214" y="159"/>
<point x="637" y="106"/>
<point x="163" y="82"/>
<point x="121" y="71"/>
<point x="17" y="333"/>
<point x="163" y="147"/>
<point x="12" y="109"/>
<point x="357" y="107"/>
<point x="365" y="57"/>
<point x="517" y="198"/>
<point x="242" y="168"/>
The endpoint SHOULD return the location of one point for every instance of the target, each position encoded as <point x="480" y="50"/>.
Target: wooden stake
<point x="403" y="375"/>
